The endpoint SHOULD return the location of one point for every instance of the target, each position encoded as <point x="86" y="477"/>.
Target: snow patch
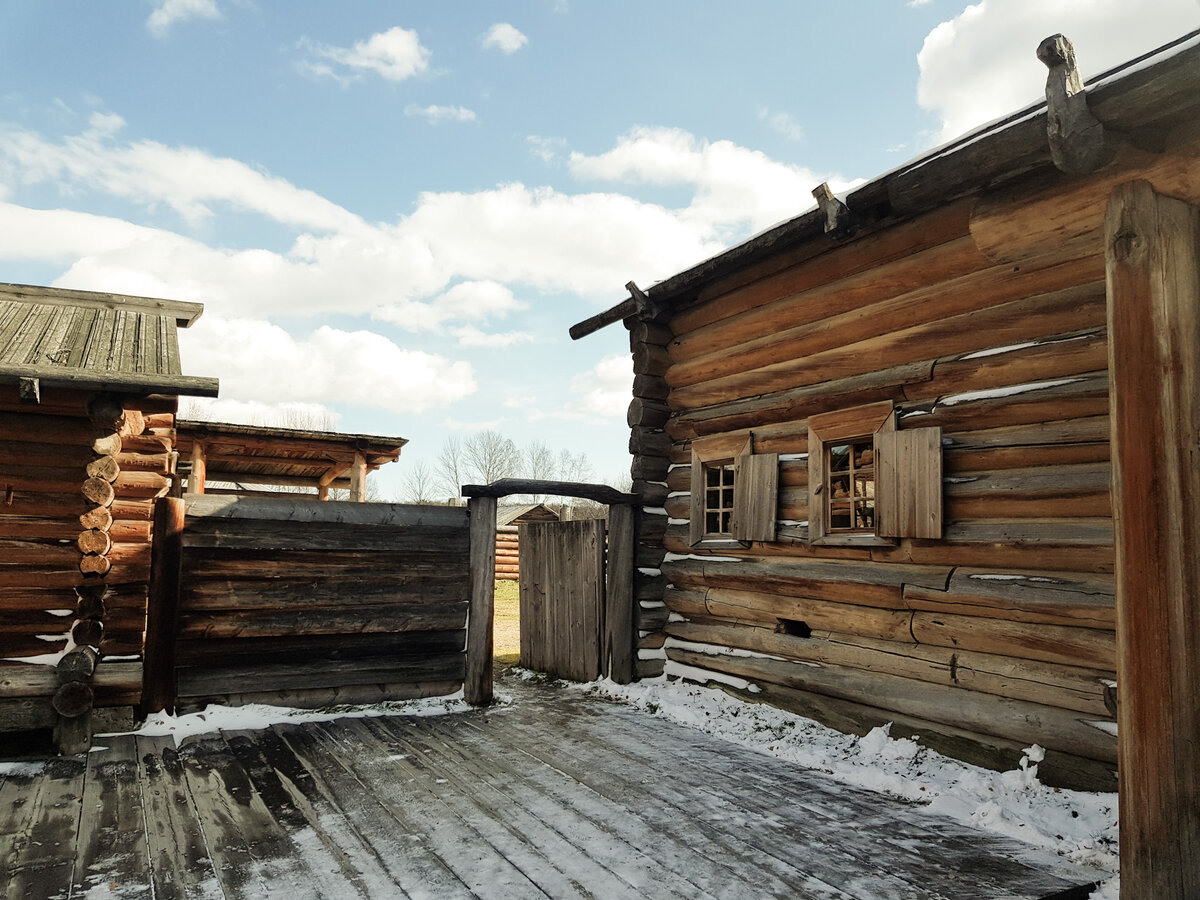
<point x="646" y="570"/>
<point x="654" y="510"/>
<point x="1032" y="387"/>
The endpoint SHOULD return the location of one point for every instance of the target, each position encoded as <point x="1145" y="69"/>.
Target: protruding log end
<point x="837" y="214"/>
<point x="1078" y="144"/>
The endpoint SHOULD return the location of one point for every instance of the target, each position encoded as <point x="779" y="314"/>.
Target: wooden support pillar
<point x="620" y="620"/>
<point x="1153" y="272"/>
<point x="162" y="614"/>
<point x="358" y="479"/>
<point x="196" y="479"/>
<point x="477" y="686"/>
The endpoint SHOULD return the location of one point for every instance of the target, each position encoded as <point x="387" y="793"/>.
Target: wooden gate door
<point x="562" y="598"/>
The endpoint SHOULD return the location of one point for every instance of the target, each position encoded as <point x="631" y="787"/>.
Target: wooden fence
<point x="305" y="604"/>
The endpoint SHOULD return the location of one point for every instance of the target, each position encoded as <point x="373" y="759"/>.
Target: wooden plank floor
<point x="552" y="796"/>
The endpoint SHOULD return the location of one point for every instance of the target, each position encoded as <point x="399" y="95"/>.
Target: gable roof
<point x="529" y="512"/>
<point x="96" y="341"/>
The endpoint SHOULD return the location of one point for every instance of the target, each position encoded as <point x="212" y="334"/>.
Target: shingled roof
<point x="95" y="341"/>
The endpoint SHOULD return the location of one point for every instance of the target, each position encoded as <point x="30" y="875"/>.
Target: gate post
<point x="162" y="611"/>
<point x="477" y="683"/>
<point x="620" y="635"/>
<point x="1153" y="279"/>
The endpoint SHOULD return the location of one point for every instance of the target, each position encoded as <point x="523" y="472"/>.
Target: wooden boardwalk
<point x="552" y="796"/>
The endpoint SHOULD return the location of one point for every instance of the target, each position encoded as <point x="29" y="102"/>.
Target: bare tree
<point x="418" y="484"/>
<point x="449" y="473"/>
<point x="490" y="456"/>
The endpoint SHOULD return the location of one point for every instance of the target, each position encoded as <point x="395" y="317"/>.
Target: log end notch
<point x="1078" y="142"/>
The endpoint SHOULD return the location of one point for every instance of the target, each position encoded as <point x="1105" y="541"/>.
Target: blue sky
<point x="393" y="211"/>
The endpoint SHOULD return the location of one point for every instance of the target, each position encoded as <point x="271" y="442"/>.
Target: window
<point x="733" y="499"/>
<point x="868" y="482"/>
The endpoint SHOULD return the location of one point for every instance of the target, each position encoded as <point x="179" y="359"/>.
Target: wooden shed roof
<point x="1146" y="97"/>
<point x="95" y="341"/>
<point x="253" y="454"/>
<point x="528" y="512"/>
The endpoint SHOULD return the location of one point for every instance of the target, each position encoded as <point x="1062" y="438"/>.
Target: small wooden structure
<point x="882" y="447"/>
<point x="88" y="391"/>
<point x="509" y="519"/>
<point x="251" y="456"/>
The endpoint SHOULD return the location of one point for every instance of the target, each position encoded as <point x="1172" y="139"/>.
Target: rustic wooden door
<point x="562" y="598"/>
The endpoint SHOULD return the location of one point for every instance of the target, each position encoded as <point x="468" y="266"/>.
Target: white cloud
<point x="783" y="123"/>
<point x="546" y="149"/>
<point x="286" y="414"/>
<point x="734" y="186"/>
<point x="470" y="336"/>
<point x="505" y="37"/>
<point x="258" y="361"/>
<point x="982" y="64"/>
<point x="395" y="54"/>
<point x="438" y="114"/>
<point x="603" y="392"/>
<point x="467" y="300"/>
<point x="168" y="12"/>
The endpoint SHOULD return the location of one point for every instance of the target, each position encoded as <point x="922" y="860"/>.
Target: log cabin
<point x="874" y="445"/>
<point x="89" y="386"/>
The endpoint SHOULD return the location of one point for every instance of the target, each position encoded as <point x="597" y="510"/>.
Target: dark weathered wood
<point x="620" y="627"/>
<point x="601" y="493"/>
<point x="1154" y="345"/>
<point x="285" y="508"/>
<point x="268" y="534"/>
<point x="208" y="680"/>
<point x="1076" y="137"/>
<point x="622" y="310"/>
<point x="162" y="616"/>
<point x="477" y="685"/>
<point x="364" y="619"/>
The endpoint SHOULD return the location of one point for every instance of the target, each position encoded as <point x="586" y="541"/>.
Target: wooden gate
<point x="562" y="598"/>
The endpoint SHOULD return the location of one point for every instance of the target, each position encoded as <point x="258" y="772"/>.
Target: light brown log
<point x="15" y="554"/>
<point x="1053" y="598"/>
<point x="95" y="565"/>
<point x="37" y="428"/>
<point x="787" y="274"/>
<point x="1153" y="257"/>
<point x="98" y="491"/>
<point x="140" y="485"/>
<point x="146" y="443"/>
<point x="159" y="420"/>
<point x="94" y="541"/>
<point x="145" y="462"/>
<point x="72" y="456"/>
<point x="967" y="461"/>
<point x="768" y="610"/>
<point x="132" y="509"/>
<point x="33" y="528"/>
<point x="130" y="531"/>
<point x="99" y="517"/>
<point x="1085" y="647"/>
<point x="132" y="422"/>
<point x="1013" y="322"/>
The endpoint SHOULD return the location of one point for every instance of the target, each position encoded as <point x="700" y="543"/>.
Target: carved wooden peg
<point x="837" y="214"/>
<point x="1077" y="141"/>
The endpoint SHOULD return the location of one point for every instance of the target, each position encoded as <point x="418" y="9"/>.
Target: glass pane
<point x="712" y="498"/>
<point x="839" y="458"/>
<point x="727" y="498"/>
<point x="839" y="486"/>
<point x="712" y="522"/>
<point x="713" y="476"/>
<point x="839" y="516"/>
<point x="864" y="486"/>
<point x="725" y="519"/>
<point x="864" y="455"/>
<point x="864" y="515"/>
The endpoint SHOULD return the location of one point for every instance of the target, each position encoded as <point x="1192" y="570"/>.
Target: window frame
<point x="755" y="489"/>
<point x="828" y="429"/>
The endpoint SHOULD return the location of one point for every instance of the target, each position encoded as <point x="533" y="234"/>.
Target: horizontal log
<point x="505" y="487"/>
<point x="362" y="620"/>
<point x="1089" y="429"/>
<point x="770" y="610"/>
<point x="1071" y="646"/>
<point x="37" y="528"/>
<point x="259" y="535"/>
<point x="77" y="665"/>
<point x="316" y="591"/>
<point x="73" y="699"/>
<point x="37" y="597"/>
<point x="259" y="566"/>
<point x="117" y="683"/>
<point x="103" y="467"/>
<point x="208" y="681"/>
<point x="159" y="463"/>
<point x="1052" y="598"/>
<point x="20" y="553"/>
<point x="818" y="262"/>
<point x="1011" y="719"/>
<point x="98" y="517"/>
<point x="649" y="441"/>
<point x="130" y="531"/>
<point x="36" y="428"/>
<point x="95" y="565"/>
<point x="286" y="509"/>
<point x="44" y="504"/>
<point x="132" y="485"/>
<point x="1067" y="483"/>
<point x="648" y="468"/>
<point x="1081" y="396"/>
<point x="94" y="541"/>
<point x="1095" y="531"/>
<point x="97" y="492"/>
<point x="88" y="632"/>
<point x="864" y="583"/>
<point x="132" y="509"/>
<point x="964" y="461"/>
<point x="72" y="456"/>
<point x="146" y="444"/>
<point x="641" y="332"/>
<point x="1020" y="320"/>
<point x="651" y="387"/>
<point x="1058" y="769"/>
<point x="320" y="698"/>
<point x="646" y="412"/>
<point x="1065" y="687"/>
<point x="26" y="714"/>
<point x="299" y="648"/>
<point x="650" y="359"/>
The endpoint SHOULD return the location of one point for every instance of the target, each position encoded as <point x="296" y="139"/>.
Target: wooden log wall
<point x="508" y="553"/>
<point x="79" y="473"/>
<point x="303" y="604"/>
<point x="650" y="446"/>
<point x="997" y="635"/>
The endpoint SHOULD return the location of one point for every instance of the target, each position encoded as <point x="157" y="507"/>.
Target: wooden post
<point x="620" y="638"/>
<point x="477" y="686"/>
<point x="162" y="615"/>
<point x="199" y="472"/>
<point x="1153" y="272"/>
<point x="358" y="479"/>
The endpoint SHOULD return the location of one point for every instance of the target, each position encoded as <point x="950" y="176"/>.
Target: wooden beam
<point x="601" y="493"/>
<point x="199" y="473"/>
<point x="1153" y="259"/>
<point x="623" y="310"/>
<point x="358" y="479"/>
<point x="1076" y="137"/>
<point x="477" y="686"/>
<point x="619" y="623"/>
<point x="162" y="618"/>
<point x="837" y="214"/>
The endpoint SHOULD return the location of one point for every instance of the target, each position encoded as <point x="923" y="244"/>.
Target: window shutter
<point x="696" y="524"/>
<point x="908" y="488"/>
<point x="756" y="496"/>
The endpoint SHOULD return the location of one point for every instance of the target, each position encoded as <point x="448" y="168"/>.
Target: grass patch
<point x="507" y="627"/>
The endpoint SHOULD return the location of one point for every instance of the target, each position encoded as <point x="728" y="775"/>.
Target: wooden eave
<point x="251" y="454"/>
<point x="183" y="312"/>
<point x="1143" y="99"/>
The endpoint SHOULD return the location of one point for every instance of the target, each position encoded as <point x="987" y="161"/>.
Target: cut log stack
<point x="508" y="553"/>
<point x="77" y="487"/>
<point x="650" y="446"/>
